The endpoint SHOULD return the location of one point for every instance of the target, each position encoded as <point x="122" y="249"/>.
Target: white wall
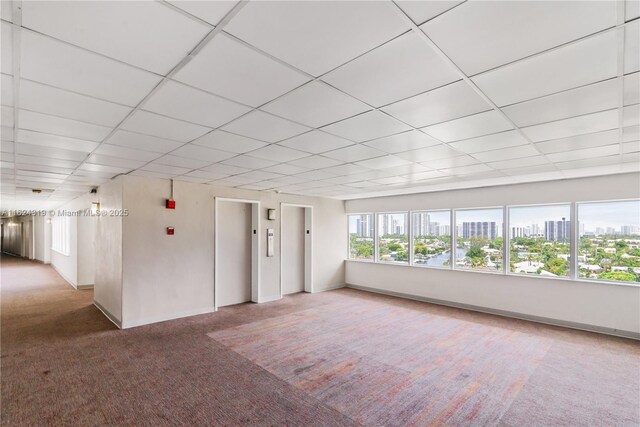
<point x="67" y="265"/>
<point x="166" y="277"/>
<point x="608" y="307"/>
<point x="107" y="290"/>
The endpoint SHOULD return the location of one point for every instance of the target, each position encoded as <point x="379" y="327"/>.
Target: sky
<point x="609" y="214"/>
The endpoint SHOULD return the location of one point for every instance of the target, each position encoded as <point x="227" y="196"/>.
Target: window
<point x="393" y="241"/>
<point x="540" y="240"/>
<point x="60" y="234"/>
<point x="609" y="241"/>
<point x="432" y="238"/>
<point x="479" y="239"/>
<point x="361" y="236"/>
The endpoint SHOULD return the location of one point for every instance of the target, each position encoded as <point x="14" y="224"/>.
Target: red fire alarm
<point x="170" y="231"/>
<point x="170" y="204"/>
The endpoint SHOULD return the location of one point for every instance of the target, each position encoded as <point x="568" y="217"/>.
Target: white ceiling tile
<point x="575" y="102"/>
<point x="186" y="178"/>
<point x="226" y="141"/>
<point x="277" y="153"/>
<point x="384" y="162"/>
<point x="126" y="153"/>
<point x="591" y="162"/>
<point x="631" y="147"/>
<point x="166" y="169"/>
<point x="6" y="116"/>
<point x="316" y="142"/>
<point x="225" y="169"/>
<point x="468" y="170"/>
<point x="399" y="69"/>
<point x="6" y="94"/>
<point x="288" y="180"/>
<point x="182" y="162"/>
<point x="577" y="142"/>
<point x="507" y="153"/>
<point x="151" y="174"/>
<point x="146" y="34"/>
<point x="339" y="180"/>
<point x="230" y="69"/>
<point x="631" y="115"/>
<point x="439" y="105"/>
<point x="100" y="159"/>
<point x="392" y="180"/>
<point x="58" y="64"/>
<point x="632" y="89"/>
<point x="47" y="161"/>
<point x="422" y="176"/>
<point x="607" y="150"/>
<point x="238" y="179"/>
<point x="6" y="11"/>
<point x="54" y="141"/>
<point x="316" y="162"/>
<point x="286" y="169"/>
<point x="490" y="142"/>
<point x="422" y="11"/>
<point x="450" y="162"/>
<point x="371" y="125"/>
<point x="259" y="175"/>
<point x="522" y="168"/>
<point x="405" y="141"/>
<point x="316" y="104"/>
<point x="632" y="47"/>
<point x="429" y="153"/>
<point x="469" y="127"/>
<point x="163" y="127"/>
<point x="193" y="105"/>
<point x="587" y="61"/>
<point x="346" y="169"/>
<point x="632" y="9"/>
<point x="479" y="36"/>
<point x="354" y="153"/>
<point x="315" y="175"/>
<point x="143" y="142"/>
<point x="575" y="126"/>
<point x="64" y="127"/>
<point x="631" y="133"/>
<point x="7" y="47"/>
<point x="6" y="133"/>
<point x="49" y="100"/>
<point x="244" y="161"/>
<point x="317" y="36"/>
<point x="210" y="155"/>
<point x="210" y="11"/>
<point x="105" y="169"/>
<point x="207" y="175"/>
<point x="265" y="127"/>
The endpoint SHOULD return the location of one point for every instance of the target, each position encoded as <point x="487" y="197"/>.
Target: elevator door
<point x="234" y="252"/>
<point x="293" y="249"/>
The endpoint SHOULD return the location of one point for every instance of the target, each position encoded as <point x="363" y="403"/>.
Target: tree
<point x="622" y="276"/>
<point x="393" y="247"/>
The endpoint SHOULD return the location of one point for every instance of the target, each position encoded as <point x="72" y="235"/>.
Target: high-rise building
<point x="557" y="230"/>
<point x="611" y="231"/>
<point x="364" y="227"/>
<point x="479" y="229"/>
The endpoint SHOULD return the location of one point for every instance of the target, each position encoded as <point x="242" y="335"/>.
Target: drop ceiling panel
<point x="193" y="105"/>
<point x="228" y="68"/>
<point x="575" y="126"/>
<point x="316" y="142"/>
<point x="507" y="153"/>
<point x="210" y="11"/>
<point x="346" y="169"/>
<point x="586" y="153"/>
<point x="225" y="169"/>
<point x="631" y="115"/>
<point x="126" y="153"/>
<point x="632" y="89"/>
<point x="50" y="100"/>
<point x="165" y="169"/>
<point x="278" y="153"/>
<point x="439" y="105"/>
<point x="55" y="141"/>
<point x="512" y="163"/>
<point x="182" y="162"/>
<point x="6" y="94"/>
<point x="479" y="36"/>
<point x="430" y="153"/>
<point x="422" y="11"/>
<point x="247" y="162"/>
<point x="411" y="140"/>
<point x="632" y="47"/>
<point x="316" y="104"/>
<point x="469" y="127"/>
<point x="354" y="153"/>
<point x="584" y="62"/>
<point x="55" y="63"/>
<point x="143" y="142"/>
<point x="399" y="69"/>
<point x="226" y="141"/>
<point x="207" y="175"/>
<point x="383" y="162"/>
<point x="286" y="169"/>
<point x="101" y="159"/>
<point x="263" y="126"/>
<point x="580" y="141"/>
<point x="7" y="47"/>
<point x="490" y="142"/>
<point x="47" y="161"/>
<point x="163" y="127"/>
<point x="199" y="152"/>
<point x="575" y="102"/>
<point x="6" y="116"/>
<point x="373" y="124"/>
<point x="146" y="34"/>
<point x="317" y="36"/>
<point x="64" y="127"/>
<point x="316" y="162"/>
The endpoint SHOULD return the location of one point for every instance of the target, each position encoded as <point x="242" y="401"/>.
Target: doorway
<point x="295" y="244"/>
<point x="236" y="278"/>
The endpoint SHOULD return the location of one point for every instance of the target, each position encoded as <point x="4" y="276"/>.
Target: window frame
<point x="454" y="242"/>
<point x="412" y="237"/>
<point x="377" y="237"/>
<point x="373" y="259"/>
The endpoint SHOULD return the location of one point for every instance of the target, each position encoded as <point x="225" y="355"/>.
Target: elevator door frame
<point x="308" y="245"/>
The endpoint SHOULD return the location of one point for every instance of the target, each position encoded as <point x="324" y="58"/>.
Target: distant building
<point x="364" y="226"/>
<point x="480" y="229"/>
<point x="557" y="230"/>
<point x="628" y="230"/>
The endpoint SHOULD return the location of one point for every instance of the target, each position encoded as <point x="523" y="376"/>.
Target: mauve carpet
<point x="337" y="358"/>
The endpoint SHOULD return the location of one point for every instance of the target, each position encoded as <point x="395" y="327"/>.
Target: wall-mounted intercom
<point x="270" y="241"/>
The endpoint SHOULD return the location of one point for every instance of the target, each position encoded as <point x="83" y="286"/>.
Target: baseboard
<point x="330" y="288"/>
<point x="505" y="313"/>
<point x="85" y="287"/>
<point x="269" y="299"/>
<point x="164" y="318"/>
<point x="108" y="315"/>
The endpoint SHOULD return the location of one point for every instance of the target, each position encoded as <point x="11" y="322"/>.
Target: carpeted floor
<point x="331" y="359"/>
